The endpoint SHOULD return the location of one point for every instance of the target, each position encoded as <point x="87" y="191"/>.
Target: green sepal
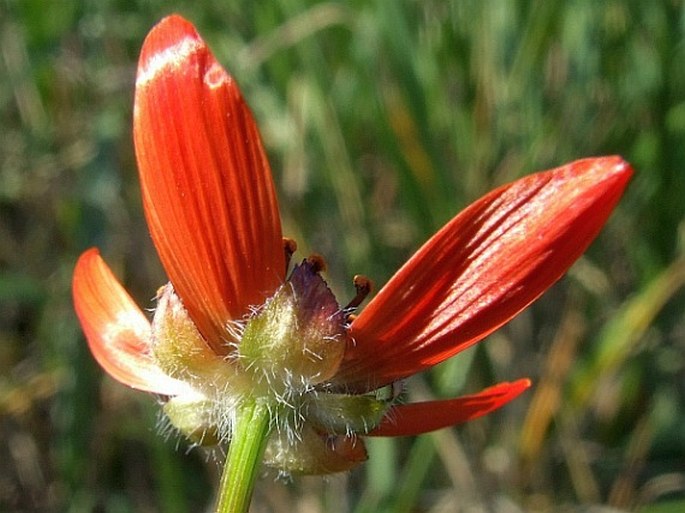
<point x="344" y="414"/>
<point x="192" y="416"/>
<point x="313" y="453"/>
<point x="298" y="338"/>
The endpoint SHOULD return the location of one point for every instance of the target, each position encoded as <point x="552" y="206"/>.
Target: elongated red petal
<point x="418" y="418"/>
<point x="118" y="333"/>
<point x="206" y="183"/>
<point x="486" y="265"/>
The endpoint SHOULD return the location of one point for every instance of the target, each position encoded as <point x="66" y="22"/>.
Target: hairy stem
<point x="244" y="458"/>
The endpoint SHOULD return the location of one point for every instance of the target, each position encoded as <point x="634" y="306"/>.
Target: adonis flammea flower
<point x="235" y="327"/>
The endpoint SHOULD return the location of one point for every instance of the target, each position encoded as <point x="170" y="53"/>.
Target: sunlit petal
<point x="417" y="418"/>
<point x="206" y="183"/>
<point x="118" y="332"/>
<point x="486" y="265"/>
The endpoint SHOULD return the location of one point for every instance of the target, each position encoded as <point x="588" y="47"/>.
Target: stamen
<point x="317" y="263"/>
<point x="363" y="286"/>
<point x="289" y="248"/>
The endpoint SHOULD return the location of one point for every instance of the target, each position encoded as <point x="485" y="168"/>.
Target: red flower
<point x="232" y="325"/>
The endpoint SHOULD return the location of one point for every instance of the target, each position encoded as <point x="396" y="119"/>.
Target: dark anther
<point x="317" y="262"/>
<point x="363" y="286"/>
<point x="289" y="248"/>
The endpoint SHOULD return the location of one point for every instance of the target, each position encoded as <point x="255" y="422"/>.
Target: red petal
<point x="206" y="183"/>
<point x="118" y="332"/>
<point x="486" y="265"/>
<point x="418" y="418"/>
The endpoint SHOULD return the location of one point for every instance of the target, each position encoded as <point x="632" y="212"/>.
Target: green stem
<point x="244" y="458"/>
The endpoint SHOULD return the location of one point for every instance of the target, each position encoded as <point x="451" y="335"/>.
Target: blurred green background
<point x="382" y="119"/>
